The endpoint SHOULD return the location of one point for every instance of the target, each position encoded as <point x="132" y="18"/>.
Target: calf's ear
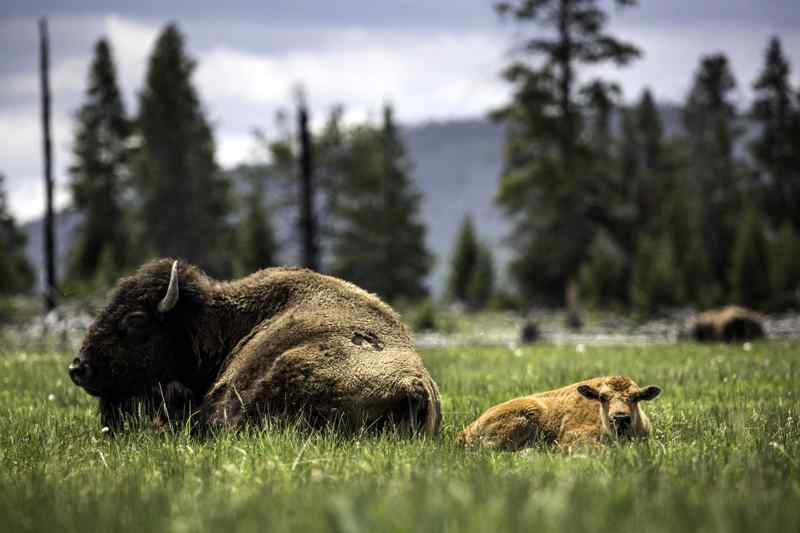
<point x="588" y="392"/>
<point x="648" y="393"/>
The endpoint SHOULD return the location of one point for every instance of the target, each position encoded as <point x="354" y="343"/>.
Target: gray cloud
<point x="450" y="14"/>
<point x="433" y="59"/>
<point x="397" y="13"/>
<point x="777" y="14"/>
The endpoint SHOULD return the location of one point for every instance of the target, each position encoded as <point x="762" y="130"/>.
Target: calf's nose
<point x="621" y="420"/>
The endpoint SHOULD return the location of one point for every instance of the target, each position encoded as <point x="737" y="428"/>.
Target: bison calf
<point x="282" y="342"/>
<point x="594" y="410"/>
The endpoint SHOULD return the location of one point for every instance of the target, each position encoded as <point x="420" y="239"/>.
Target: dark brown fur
<point x="729" y="324"/>
<point x="280" y="342"/>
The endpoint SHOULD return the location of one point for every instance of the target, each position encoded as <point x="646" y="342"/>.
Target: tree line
<point x="605" y="203"/>
<point x="149" y="185"/>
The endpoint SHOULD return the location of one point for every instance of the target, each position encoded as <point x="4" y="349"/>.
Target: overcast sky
<point x="434" y="59"/>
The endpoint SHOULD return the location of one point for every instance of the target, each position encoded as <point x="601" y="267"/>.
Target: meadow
<point x="724" y="455"/>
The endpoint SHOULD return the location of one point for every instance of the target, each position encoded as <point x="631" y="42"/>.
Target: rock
<point x="573" y="320"/>
<point x="529" y="332"/>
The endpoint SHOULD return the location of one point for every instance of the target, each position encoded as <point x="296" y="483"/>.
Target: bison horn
<point x="171" y="298"/>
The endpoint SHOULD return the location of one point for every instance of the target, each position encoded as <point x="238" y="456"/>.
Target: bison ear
<point x="648" y="393"/>
<point x="590" y="393"/>
<point x="171" y="298"/>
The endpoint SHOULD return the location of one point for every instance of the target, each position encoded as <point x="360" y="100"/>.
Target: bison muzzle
<point x="281" y="343"/>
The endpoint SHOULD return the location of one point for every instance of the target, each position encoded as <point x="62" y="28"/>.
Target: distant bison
<point x="729" y="324"/>
<point x="529" y="333"/>
<point x="594" y="410"/>
<point x="282" y="342"/>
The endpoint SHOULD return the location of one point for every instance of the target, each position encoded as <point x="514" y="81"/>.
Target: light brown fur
<point x="560" y="417"/>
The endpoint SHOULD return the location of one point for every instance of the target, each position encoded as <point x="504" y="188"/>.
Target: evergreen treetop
<point x="464" y="261"/>
<point x="552" y="185"/>
<point x="16" y="272"/>
<point x="777" y="148"/>
<point x="649" y="123"/>
<point x="750" y="280"/>
<point x="380" y="238"/>
<point x="716" y="176"/>
<point x="184" y="196"/>
<point x="257" y="242"/>
<point x="99" y="174"/>
<point x="481" y="283"/>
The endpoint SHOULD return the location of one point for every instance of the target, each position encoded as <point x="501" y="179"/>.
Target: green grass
<point x="724" y="456"/>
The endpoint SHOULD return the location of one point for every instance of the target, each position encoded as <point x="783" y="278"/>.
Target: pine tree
<point x="656" y="282"/>
<point x="185" y="197"/>
<point x="644" y="168"/>
<point x="257" y="243"/>
<point x="749" y="281"/>
<point x="656" y="203"/>
<point x="657" y="163"/>
<point x="380" y="243"/>
<point x="331" y="149"/>
<point x="643" y="176"/>
<point x="603" y="187"/>
<point x="547" y="186"/>
<point x="464" y="261"/>
<point x="648" y="120"/>
<point x="709" y="119"/>
<point x="774" y="150"/>
<point x="16" y="273"/>
<point x="600" y="100"/>
<point x="99" y="174"/>
<point x="602" y="276"/>
<point x="681" y="221"/>
<point x="784" y="262"/>
<point x="632" y="182"/>
<point x="481" y="284"/>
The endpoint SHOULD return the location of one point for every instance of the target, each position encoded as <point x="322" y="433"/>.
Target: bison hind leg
<point x="510" y="434"/>
<point x="742" y="329"/>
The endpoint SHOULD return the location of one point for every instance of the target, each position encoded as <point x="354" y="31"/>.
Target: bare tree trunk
<point x="49" y="235"/>
<point x="308" y="222"/>
<point x="572" y="300"/>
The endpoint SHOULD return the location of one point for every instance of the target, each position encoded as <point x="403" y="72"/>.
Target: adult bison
<point x="729" y="324"/>
<point x="281" y="342"/>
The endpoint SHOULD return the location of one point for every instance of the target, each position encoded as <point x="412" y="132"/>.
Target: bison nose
<point x="621" y="421"/>
<point x="418" y="402"/>
<point x="79" y="371"/>
<point x="409" y="410"/>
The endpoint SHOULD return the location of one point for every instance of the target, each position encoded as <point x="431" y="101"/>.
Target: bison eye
<point x="135" y="321"/>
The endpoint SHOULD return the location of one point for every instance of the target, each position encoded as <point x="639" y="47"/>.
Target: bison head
<point x="130" y="346"/>
<point x="619" y="399"/>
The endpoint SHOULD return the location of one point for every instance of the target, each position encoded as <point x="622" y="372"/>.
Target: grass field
<point x="724" y="456"/>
